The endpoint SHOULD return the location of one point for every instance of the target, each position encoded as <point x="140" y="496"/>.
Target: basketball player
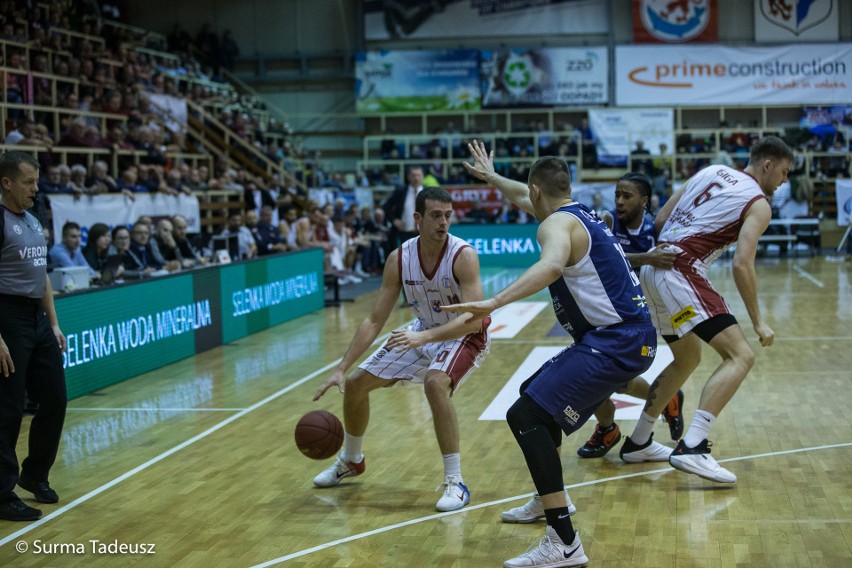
<point x="440" y="349"/>
<point x="717" y="207"/>
<point x="597" y="299"/>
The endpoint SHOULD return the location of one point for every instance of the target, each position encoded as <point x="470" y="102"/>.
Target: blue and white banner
<point x="421" y="19"/>
<point x="795" y="20"/>
<point x="417" y="81"/>
<point x="712" y="75"/>
<point x="115" y="209"/>
<point x="844" y="202"/>
<point x="616" y="131"/>
<point x="545" y="77"/>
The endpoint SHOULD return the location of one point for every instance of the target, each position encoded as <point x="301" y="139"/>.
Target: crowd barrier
<point x="120" y="332"/>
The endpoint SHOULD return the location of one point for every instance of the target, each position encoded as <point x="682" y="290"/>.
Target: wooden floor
<point x="198" y="458"/>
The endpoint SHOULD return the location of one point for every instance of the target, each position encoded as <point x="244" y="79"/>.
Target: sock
<point x="352" y="447"/>
<point x="644" y="428"/>
<point x="699" y="429"/>
<point x="452" y="466"/>
<point x="561" y="523"/>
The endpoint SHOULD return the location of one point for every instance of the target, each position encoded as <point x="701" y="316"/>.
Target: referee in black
<point x="31" y="344"/>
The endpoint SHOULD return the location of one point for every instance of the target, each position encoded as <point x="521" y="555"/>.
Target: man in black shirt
<point x="31" y="344"/>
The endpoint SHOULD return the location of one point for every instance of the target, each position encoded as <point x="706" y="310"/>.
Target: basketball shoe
<point x="551" y="551"/>
<point x="698" y="460"/>
<point x="602" y="441"/>
<point x="673" y="413"/>
<point x="338" y="471"/>
<point x="455" y="495"/>
<point x="650" y="451"/>
<point x="532" y="510"/>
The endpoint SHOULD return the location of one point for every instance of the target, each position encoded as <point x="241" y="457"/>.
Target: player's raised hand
<point x="335" y="379"/>
<point x="478" y="309"/>
<point x="483" y="161"/>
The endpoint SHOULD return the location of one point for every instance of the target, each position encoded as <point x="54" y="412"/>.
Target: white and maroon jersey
<point x="708" y="217"/>
<point x="429" y="287"/>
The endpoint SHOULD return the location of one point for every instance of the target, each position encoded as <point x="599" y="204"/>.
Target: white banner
<point x="545" y="77"/>
<point x="172" y="111"/>
<point x="795" y="20"/>
<point x="717" y="75"/>
<point x="616" y="131"/>
<point x="844" y="201"/>
<point x="115" y="209"/>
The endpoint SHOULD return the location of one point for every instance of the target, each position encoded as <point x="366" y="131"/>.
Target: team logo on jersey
<point x="640" y="301"/>
<point x="445" y="281"/>
<point x="18" y="230"/>
<point x="678" y="20"/>
<point x="436" y="306"/>
<point x="683" y="316"/>
<point x="571" y="416"/>
<point x="796" y="15"/>
<point x="414" y="304"/>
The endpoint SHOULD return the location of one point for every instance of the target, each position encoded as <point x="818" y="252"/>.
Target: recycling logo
<point x="517" y="75"/>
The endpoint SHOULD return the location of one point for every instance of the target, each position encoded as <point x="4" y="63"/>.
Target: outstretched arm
<point x="372" y="325"/>
<point x="755" y="223"/>
<point x="483" y="168"/>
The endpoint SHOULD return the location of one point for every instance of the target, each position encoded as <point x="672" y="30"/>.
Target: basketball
<point x="319" y="434"/>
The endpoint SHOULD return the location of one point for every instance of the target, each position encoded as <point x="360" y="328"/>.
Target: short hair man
<point x="67" y="253"/>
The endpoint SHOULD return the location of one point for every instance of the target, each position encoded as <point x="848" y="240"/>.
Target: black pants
<point x="39" y="374"/>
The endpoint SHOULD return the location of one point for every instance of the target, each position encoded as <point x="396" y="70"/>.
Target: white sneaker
<point x="698" y="460"/>
<point x="551" y="551"/>
<point x="532" y="511"/>
<point x="338" y="471"/>
<point x="455" y="495"/>
<point x="651" y="451"/>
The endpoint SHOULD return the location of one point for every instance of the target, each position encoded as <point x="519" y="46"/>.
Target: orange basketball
<point x="319" y="434"/>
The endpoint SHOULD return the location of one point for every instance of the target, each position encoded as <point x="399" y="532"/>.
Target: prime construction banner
<point x="417" y="81"/>
<point x="693" y="75"/>
<point x="545" y="77"/>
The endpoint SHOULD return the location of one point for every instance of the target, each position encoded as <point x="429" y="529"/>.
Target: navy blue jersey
<point x="601" y="290"/>
<point x="642" y="240"/>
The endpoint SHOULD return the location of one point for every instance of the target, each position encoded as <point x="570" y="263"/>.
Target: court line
<point x="196" y="438"/>
<point x="157" y="409"/>
<point x="808" y="276"/>
<point x="388" y="528"/>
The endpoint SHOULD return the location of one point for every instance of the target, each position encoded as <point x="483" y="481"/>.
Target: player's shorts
<point x="456" y="357"/>
<point x="573" y="384"/>
<point x="680" y="298"/>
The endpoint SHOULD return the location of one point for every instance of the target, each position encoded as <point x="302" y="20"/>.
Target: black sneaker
<point x="17" y="510"/>
<point x="673" y="413"/>
<point x="41" y="489"/>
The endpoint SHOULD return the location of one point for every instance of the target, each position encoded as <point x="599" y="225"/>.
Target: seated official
<point x="245" y="240"/>
<point x="99" y="248"/>
<point x="266" y="235"/>
<point x="138" y="258"/>
<point x="163" y="245"/>
<point x="190" y="255"/>
<point x="67" y="253"/>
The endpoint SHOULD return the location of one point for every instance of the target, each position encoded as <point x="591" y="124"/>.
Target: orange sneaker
<point x="601" y="442"/>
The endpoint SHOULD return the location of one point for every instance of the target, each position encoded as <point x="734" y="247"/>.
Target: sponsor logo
<point x="571" y="416"/>
<point x="640" y="301"/>
<point x="796" y="16"/>
<point x="414" y="282"/>
<point x="683" y="316"/>
<point x="648" y="351"/>
<point x="445" y="281"/>
<point x="675" y="21"/>
<point x="17" y="228"/>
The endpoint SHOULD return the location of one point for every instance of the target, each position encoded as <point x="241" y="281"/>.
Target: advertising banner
<point x="115" y="209"/>
<point x="545" y="77"/>
<point x="502" y="245"/>
<point x="417" y="81"/>
<point x="123" y="331"/>
<point x="844" y="202"/>
<point x="689" y="75"/>
<point x="796" y="20"/>
<point x="617" y="131"/>
<point x="665" y="21"/>
<point x="421" y="19"/>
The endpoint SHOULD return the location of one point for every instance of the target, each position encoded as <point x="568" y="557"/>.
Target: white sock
<point x="452" y="466"/>
<point x="699" y="429"/>
<point x="644" y="428"/>
<point x="352" y="447"/>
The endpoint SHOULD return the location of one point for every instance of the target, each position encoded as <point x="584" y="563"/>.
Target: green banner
<point x="502" y="245"/>
<point x="120" y="332"/>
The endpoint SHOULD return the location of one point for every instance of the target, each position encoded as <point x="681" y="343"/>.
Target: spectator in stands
<point x="256" y="197"/>
<point x="189" y="253"/>
<point x="341" y="256"/>
<point x="587" y="139"/>
<point x="78" y="179"/>
<point x="129" y="182"/>
<point x="98" y="249"/>
<point x="641" y="160"/>
<point x="375" y="230"/>
<point x="25" y="135"/>
<point x="247" y="246"/>
<point x="52" y="182"/>
<point x="598" y="204"/>
<point x="286" y="225"/>
<point x="266" y="234"/>
<point x="67" y="253"/>
<point x="310" y="231"/>
<point x="838" y="163"/>
<point x="400" y="207"/>
<point x="101" y="181"/>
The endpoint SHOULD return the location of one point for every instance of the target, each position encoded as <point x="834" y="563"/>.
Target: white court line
<point x="179" y="447"/>
<point x="515" y="498"/>
<point x="808" y="276"/>
<point x="157" y="409"/>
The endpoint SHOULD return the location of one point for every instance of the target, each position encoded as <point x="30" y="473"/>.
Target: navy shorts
<point x="572" y="385"/>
